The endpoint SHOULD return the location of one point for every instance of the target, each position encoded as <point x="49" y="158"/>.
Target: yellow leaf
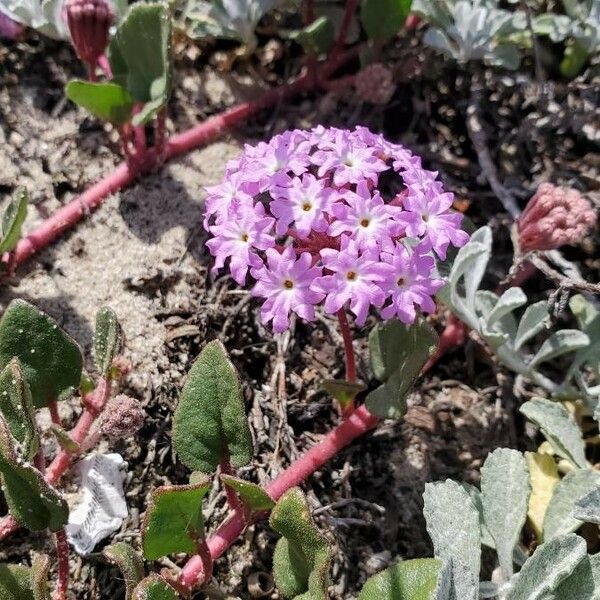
<point x="544" y="476"/>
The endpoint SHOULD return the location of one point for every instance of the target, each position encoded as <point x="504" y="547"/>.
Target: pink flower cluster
<point x="304" y="215"/>
<point x="554" y="217"/>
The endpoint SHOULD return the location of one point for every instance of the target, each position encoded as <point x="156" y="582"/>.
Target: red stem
<point x="232" y="498"/>
<point x="125" y="173"/>
<point x="62" y="551"/>
<point x="351" y="6"/>
<point x="348" y="348"/>
<point x="360" y="422"/>
<point x="207" y="563"/>
<point x="105" y="66"/>
<point x="454" y="335"/>
<point x="54" y="416"/>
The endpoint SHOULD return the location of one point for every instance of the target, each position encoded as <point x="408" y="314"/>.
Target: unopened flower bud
<point x="122" y="417"/>
<point x="375" y="84"/>
<point x="555" y="216"/>
<point x="89" y="22"/>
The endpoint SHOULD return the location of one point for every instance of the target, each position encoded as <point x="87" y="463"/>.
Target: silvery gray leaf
<point x="453" y="524"/>
<point x="534" y="319"/>
<point x="559" y="343"/>
<point x="455" y="582"/>
<point x="548" y="566"/>
<point x="587" y="508"/>
<point x="583" y="583"/>
<point x="559" y="517"/>
<point x="558" y="427"/>
<point x="486" y="537"/>
<point x="505" y="493"/>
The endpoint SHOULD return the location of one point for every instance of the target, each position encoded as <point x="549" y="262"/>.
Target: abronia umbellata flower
<point x="305" y="216"/>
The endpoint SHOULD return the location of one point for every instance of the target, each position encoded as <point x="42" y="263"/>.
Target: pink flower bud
<point x="375" y="84"/>
<point x="89" y="22"/>
<point x="122" y="417"/>
<point x="555" y="216"/>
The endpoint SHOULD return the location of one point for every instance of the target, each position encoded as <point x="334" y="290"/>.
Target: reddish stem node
<point x="232" y="498"/>
<point x="54" y="416"/>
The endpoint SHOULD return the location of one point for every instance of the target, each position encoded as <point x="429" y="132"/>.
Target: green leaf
<point x="398" y="353"/>
<point x="107" y="101"/>
<point x="17" y="409"/>
<point x="129" y="562"/>
<point x="558" y="427"/>
<point x="534" y="319"/>
<point x="559" y="343"/>
<point x="559" y="517"/>
<point x="316" y="38"/>
<point x="583" y="583"/>
<point x="50" y="359"/>
<point x="302" y="556"/>
<point x="544" y="570"/>
<point x="383" y="19"/>
<point x="173" y="522"/>
<point x="40" y="569"/>
<point x="31" y="501"/>
<point x="210" y="422"/>
<point x="140" y="55"/>
<point x="13" y="219"/>
<point x="587" y="508"/>
<point x="453" y="524"/>
<point x="107" y="339"/>
<point x="343" y="391"/>
<point x="15" y="582"/>
<point x="251" y="494"/>
<point x="408" y="580"/>
<point x="574" y="59"/>
<point x="65" y="441"/>
<point x="505" y="496"/>
<point x="154" y="587"/>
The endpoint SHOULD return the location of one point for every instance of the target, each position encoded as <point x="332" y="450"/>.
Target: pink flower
<point x="305" y="203"/>
<point x="410" y="283"/>
<point x="428" y="217"/>
<point x="365" y="217"/>
<point x="350" y="161"/>
<point x="245" y="230"/>
<point x="354" y="279"/>
<point x="320" y="195"/>
<point x="285" y="283"/>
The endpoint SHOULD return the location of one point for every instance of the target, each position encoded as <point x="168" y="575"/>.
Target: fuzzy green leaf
<point x="13" y="219"/>
<point x="210" y="422"/>
<point x="383" y="19"/>
<point x="303" y="555"/>
<point x="154" y="587"/>
<point x="107" y="339"/>
<point x="107" y="101"/>
<point x="64" y="440"/>
<point x="17" y="409"/>
<point x="140" y="56"/>
<point x="15" y="583"/>
<point x="173" y="521"/>
<point x="50" y="359"/>
<point x="40" y="569"/>
<point x="558" y="427"/>
<point x="505" y="495"/>
<point x="129" y="562"/>
<point x="559" y="517"/>
<point x="452" y="522"/>
<point x="408" y="580"/>
<point x="547" y="567"/>
<point x="251" y="494"/>
<point x="398" y="353"/>
<point x="31" y="501"/>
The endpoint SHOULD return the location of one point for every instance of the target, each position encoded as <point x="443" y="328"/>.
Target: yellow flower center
<point x="288" y="284"/>
<point x="350" y="275"/>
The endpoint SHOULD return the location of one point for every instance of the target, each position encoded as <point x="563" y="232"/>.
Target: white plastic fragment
<point x="101" y="507"/>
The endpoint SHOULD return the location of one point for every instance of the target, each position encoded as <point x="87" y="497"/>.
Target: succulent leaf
<point x="252" y="495"/>
<point x="13" y="219"/>
<point x="107" y="339"/>
<point x="383" y="19"/>
<point x="40" y="569"/>
<point x="154" y="587"/>
<point x="107" y="101"/>
<point x="129" y="562"/>
<point x="15" y="583"/>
